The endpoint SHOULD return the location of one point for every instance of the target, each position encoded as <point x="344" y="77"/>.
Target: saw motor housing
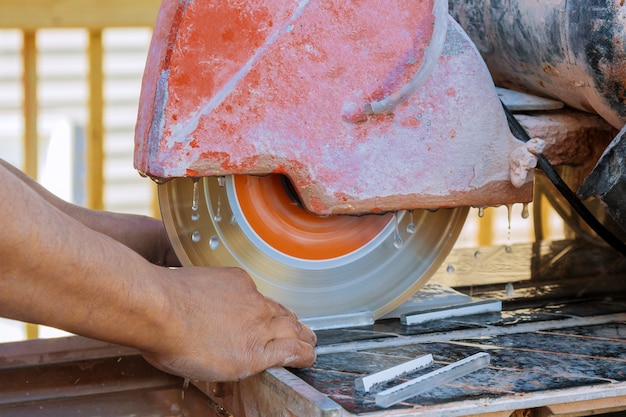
<point x="365" y="106"/>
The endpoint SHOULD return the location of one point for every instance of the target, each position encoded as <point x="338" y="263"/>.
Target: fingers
<point x="288" y="342"/>
<point x="284" y="327"/>
<point x="285" y="324"/>
<point x="292" y="344"/>
<point x="290" y="352"/>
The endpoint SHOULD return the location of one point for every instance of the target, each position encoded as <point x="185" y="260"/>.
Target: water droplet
<point x="508" y="249"/>
<point x="450" y="269"/>
<point x="195" y="216"/>
<point x="218" y="214"/>
<point x="195" y="195"/>
<point x="510" y="290"/>
<point x="397" y="239"/>
<point x="525" y="213"/>
<point x="195" y="236"/>
<point x="221" y="181"/>
<point x="214" y="242"/>
<point x="509" y="210"/>
<point x="478" y="258"/>
<point x="410" y="228"/>
<point x="233" y="219"/>
<point x="481" y="211"/>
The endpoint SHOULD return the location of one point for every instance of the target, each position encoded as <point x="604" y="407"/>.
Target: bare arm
<point x="143" y="234"/>
<point x="201" y="323"/>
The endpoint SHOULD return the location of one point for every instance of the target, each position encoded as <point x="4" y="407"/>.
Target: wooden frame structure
<point x="94" y="16"/>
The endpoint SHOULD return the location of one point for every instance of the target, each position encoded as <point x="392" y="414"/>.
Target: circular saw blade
<point x="315" y="266"/>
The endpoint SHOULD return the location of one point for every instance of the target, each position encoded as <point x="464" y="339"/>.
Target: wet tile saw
<point x="330" y="148"/>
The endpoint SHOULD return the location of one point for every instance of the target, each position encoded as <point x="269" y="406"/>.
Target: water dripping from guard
<point x="195" y="196"/>
<point x="218" y="214"/>
<point x="410" y="228"/>
<point x="397" y="239"/>
<point x="525" y="213"/>
<point x="509" y="211"/>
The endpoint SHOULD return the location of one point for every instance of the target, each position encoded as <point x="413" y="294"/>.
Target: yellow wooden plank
<point x="89" y="14"/>
<point x="32" y="331"/>
<point x="95" y="132"/>
<point x="586" y="408"/>
<point x="30" y="106"/>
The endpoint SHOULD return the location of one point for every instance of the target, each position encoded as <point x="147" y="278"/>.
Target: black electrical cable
<point x="542" y="162"/>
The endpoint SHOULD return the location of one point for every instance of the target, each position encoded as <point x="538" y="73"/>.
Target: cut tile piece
<point x="431" y="380"/>
<point x="364" y="384"/>
<point x="478" y="307"/>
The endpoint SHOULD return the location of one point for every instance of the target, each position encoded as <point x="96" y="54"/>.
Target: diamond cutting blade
<point x="317" y="266"/>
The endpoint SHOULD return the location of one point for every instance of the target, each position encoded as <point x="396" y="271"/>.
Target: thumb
<point x="290" y="352"/>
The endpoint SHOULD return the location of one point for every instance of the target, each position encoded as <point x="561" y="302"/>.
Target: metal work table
<point x="557" y="348"/>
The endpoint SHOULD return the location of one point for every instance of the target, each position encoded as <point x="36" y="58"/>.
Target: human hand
<point x="85" y="272"/>
<point x="220" y="328"/>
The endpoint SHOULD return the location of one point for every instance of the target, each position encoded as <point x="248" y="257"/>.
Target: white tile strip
<point x="365" y="383"/>
<point x="479" y="307"/>
<point x="431" y="380"/>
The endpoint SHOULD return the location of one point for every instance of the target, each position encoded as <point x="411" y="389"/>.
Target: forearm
<point x="58" y="272"/>
<point x="143" y="234"/>
<point x="72" y="210"/>
<point x="55" y="270"/>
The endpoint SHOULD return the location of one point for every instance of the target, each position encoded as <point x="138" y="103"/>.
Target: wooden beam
<point x="95" y="125"/>
<point x="30" y="108"/>
<point x="89" y="14"/>
<point x="32" y="331"/>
